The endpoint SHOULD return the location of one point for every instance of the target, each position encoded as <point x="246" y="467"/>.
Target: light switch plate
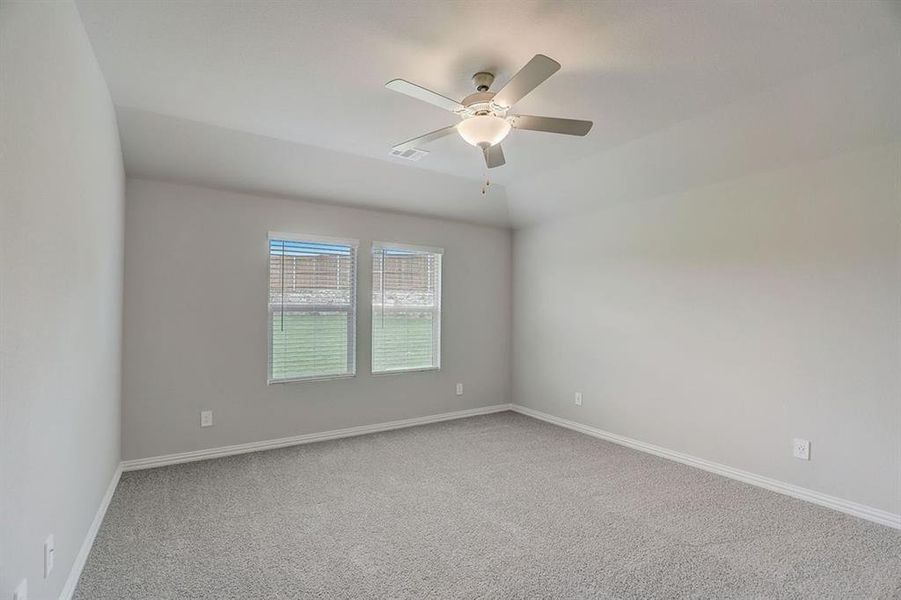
<point x="578" y="398"/>
<point x="459" y="389"/>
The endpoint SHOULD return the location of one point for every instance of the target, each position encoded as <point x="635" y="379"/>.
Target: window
<point x="406" y="308"/>
<point x="312" y="307"/>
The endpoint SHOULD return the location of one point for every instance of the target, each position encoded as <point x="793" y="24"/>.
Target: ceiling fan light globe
<point x="483" y="130"/>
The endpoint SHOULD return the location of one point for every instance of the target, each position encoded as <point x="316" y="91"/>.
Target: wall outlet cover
<point x="206" y="418"/>
<point x="801" y="448"/>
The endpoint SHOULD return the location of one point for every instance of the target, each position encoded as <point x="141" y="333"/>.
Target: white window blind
<point x="312" y="308"/>
<point x="406" y="308"/>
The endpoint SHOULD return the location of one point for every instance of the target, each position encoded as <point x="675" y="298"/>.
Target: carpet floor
<point x="498" y="506"/>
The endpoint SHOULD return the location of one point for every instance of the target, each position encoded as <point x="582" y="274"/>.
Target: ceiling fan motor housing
<point x="480" y="104"/>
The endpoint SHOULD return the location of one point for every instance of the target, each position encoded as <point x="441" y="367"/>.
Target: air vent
<point x="411" y="154"/>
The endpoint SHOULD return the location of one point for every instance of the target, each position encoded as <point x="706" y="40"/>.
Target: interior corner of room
<point x="642" y="347"/>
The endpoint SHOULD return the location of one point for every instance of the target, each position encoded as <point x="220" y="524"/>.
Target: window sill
<point x="399" y="371"/>
<point x="304" y="379"/>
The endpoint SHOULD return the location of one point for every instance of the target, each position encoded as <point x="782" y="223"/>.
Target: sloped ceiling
<point x="288" y="97"/>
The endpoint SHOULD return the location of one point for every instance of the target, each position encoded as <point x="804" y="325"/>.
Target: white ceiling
<point x="288" y="97"/>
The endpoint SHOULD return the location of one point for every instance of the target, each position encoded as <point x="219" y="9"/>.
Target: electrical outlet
<point x="21" y="591"/>
<point x="801" y="448"/>
<point x="459" y="389"/>
<point x="578" y="398"/>
<point x="206" y="418"/>
<point x="48" y="556"/>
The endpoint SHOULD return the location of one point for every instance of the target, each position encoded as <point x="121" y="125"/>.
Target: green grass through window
<point x="402" y="342"/>
<point x="309" y="345"/>
<point x="315" y="345"/>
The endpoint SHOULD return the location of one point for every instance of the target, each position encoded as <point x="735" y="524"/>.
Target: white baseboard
<point x="183" y="457"/>
<point x="846" y="506"/>
<point x="88" y="542"/>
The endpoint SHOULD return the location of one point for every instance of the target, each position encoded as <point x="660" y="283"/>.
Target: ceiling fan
<point x="485" y="121"/>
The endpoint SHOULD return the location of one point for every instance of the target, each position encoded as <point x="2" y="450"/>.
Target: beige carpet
<point x="499" y="506"/>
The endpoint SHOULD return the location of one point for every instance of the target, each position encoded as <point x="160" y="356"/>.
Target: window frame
<point x="436" y="323"/>
<point x="352" y="319"/>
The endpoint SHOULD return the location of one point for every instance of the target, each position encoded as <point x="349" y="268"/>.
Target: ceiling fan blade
<point x="421" y="93"/>
<point x="425" y="139"/>
<point x="494" y="156"/>
<point x="527" y="79"/>
<point x="551" y="124"/>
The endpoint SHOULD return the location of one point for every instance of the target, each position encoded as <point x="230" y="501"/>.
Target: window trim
<point x="410" y="247"/>
<point x="314" y="239"/>
<point x="321" y="239"/>
<point x="436" y="328"/>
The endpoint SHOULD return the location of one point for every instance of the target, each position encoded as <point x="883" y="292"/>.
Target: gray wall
<point x="196" y="320"/>
<point x="60" y="291"/>
<point x="724" y="321"/>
